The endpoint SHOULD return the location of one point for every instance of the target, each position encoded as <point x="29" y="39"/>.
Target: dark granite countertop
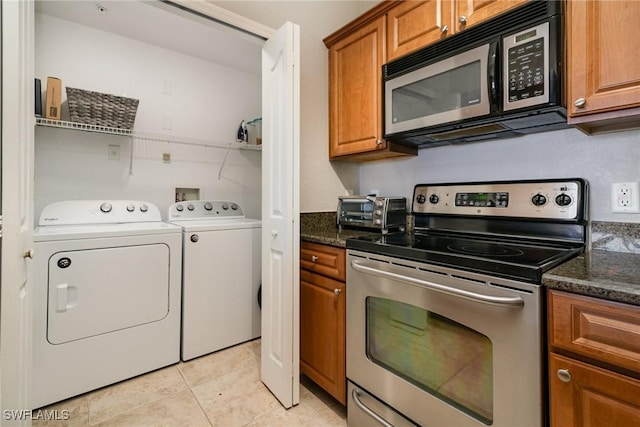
<point x="321" y="228"/>
<point x="608" y="275"/>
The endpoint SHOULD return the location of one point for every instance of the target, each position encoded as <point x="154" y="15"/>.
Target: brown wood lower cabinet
<point x="594" y="362"/>
<point x="584" y="395"/>
<point x="322" y="326"/>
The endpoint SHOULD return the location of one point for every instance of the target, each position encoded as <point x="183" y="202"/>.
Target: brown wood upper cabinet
<point x="594" y="361"/>
<point x="412" y="25"/>
<point x="603" y="67"/>
<point x="356" y="55"/>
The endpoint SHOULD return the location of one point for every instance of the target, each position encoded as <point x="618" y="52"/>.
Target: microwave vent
<point x="467" y="132"/>
<point x="477" y="35"/>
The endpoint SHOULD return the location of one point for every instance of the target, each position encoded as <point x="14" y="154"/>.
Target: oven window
<point x="442" y="357"/>
<point x="447" y="91"/>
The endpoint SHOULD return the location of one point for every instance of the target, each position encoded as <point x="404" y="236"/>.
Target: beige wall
<point x="321" y="181"/>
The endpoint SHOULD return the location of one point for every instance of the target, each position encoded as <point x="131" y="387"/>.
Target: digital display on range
<point x="489" y="200"/>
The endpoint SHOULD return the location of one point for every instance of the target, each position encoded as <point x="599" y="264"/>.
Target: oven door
<point x="444" y="347"/>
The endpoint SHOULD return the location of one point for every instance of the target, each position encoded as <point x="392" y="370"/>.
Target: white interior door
<point x="280" y="214"/>
<point x="17" y="210"/>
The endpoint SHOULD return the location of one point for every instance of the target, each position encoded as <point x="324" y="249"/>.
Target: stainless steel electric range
<point x="445" y="324"/>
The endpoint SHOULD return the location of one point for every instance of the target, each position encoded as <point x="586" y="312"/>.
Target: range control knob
<point x="190" y="207"/>
<point x="434" y="199"/>
<point x="225" y="206"/>
<point x="234" y="206"/>
<point x="539" y="200"/>
<point x="421" y="199"/>
<point x="179" y="208"/>
<point x="208" y="206"/>
<point x="144" y="208"/>
<point x="106" y="207"/>
<point x="563" y="199"/>
<point x="131" y="208"/>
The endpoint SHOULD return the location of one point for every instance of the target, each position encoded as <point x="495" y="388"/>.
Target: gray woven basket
<point x="101" y="109"/>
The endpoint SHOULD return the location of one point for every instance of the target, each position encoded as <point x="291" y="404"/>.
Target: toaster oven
<point x="373" y="212"/>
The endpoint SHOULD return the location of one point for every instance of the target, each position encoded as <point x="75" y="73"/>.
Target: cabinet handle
<point x="564" y="375"/>
<point x="444" y="29"/>
<point x="462" y="20"/>
<point x="378" y="142"/>
<point x="580" y="102"/>
<point x="337" y="291"/>
<point x="314" y="258"/>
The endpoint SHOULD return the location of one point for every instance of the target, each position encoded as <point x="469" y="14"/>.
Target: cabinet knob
<point x="378" y="142"/>
<point x="462" y="19"/>
<point x="564" y="375"/>
<point x="28" y="254"/>
<point x="274" y="232"/>
<point x="580" y="102"/>
<point x="314" y="258"/>
<point x="337" y="291"/>
<point x="444" y="29"/>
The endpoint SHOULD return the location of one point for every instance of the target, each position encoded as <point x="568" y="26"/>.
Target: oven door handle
<point x="359" y="404"/>
<point x="473" y="296"/>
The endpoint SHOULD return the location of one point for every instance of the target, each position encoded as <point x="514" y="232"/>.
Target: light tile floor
<point x="220" y="389"/>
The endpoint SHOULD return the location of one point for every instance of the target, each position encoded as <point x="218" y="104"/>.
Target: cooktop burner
<point x="485" y="249"/>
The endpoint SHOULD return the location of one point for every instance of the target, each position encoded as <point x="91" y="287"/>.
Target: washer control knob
<point x="131" y="208"/>
<point x="144" y="208"/>
<point x="190" y="207"/>
<point x="434" y="199"/>
<point x="225" y="206"/>
<point x="179" y="208"/>
<point x="421" y="199"/>
<point x="234" y="206"/>
<point x="194" y="238"/>
<point x="106" y="207"/>
<point x="208" y="206"/>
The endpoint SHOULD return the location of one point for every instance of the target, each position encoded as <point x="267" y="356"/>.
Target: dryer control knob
<point x="208" y="206"/>
<point x="194" y="238"/>
<point x="105" y="207"/>
<point x="144" y="208"/>
<point x="234" y="206"/>
<point x="179" y="208"/>
<point x="225" y="206"/>
<point x="190" y="207"/>
<point x="131" y="208"/>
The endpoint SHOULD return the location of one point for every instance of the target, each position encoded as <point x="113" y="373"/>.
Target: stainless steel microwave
<point x="500" y="78"/>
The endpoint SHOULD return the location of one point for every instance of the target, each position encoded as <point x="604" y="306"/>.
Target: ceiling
<point x="163" y="25"/>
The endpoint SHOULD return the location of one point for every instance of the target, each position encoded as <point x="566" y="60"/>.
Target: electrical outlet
<point x="624" y="197"/>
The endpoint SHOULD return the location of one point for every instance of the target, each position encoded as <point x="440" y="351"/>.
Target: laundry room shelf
<point x="81" y="126"/>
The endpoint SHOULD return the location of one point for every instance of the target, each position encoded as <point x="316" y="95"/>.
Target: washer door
<point x="97" y="291"/>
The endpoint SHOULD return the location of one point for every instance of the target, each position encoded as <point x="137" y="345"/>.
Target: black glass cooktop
<point x="501" y="257"/>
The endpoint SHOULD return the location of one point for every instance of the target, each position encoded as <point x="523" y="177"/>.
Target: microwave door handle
<point x="461" y="293"/>
<point x="493" y="82"/>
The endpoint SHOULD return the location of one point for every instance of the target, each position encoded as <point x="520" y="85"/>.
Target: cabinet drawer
<point x="323" y="259"/>
<point x="601" y="330"/>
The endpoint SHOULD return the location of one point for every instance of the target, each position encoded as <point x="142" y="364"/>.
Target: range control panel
<point x="550" y="199"/>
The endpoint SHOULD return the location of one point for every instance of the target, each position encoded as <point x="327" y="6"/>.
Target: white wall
<point x="601" y="159"/>
<point x="207" y="101"/>
<point x="321" y="181"/>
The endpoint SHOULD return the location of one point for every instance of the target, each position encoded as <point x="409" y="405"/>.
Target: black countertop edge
<point x="612" y="276"/>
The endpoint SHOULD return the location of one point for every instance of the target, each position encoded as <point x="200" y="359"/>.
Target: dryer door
<point x="98" y="291"/>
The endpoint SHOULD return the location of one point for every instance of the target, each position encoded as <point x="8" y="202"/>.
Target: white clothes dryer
<point x="221" y="275"/>
<point x="106" y="294"/>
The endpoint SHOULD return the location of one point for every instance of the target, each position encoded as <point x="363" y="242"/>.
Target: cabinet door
<point x="603" y="60"/>
<point x="588" y="396"/>
<point x="355" y="86"/>
<point x="469" y="13"/>
<point x="322" y="332"/>
<point x="414" y="24"/>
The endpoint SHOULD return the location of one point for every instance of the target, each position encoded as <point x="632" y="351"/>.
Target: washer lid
<point x="92" y="231"/>
<point x="218" y="224"/>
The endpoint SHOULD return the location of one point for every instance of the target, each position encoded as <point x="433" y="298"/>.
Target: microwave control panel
<point x="526" y="67"/>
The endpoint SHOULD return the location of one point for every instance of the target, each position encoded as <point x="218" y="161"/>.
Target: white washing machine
<point x="221" y="275"/>
<point x="107" y="296"/>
